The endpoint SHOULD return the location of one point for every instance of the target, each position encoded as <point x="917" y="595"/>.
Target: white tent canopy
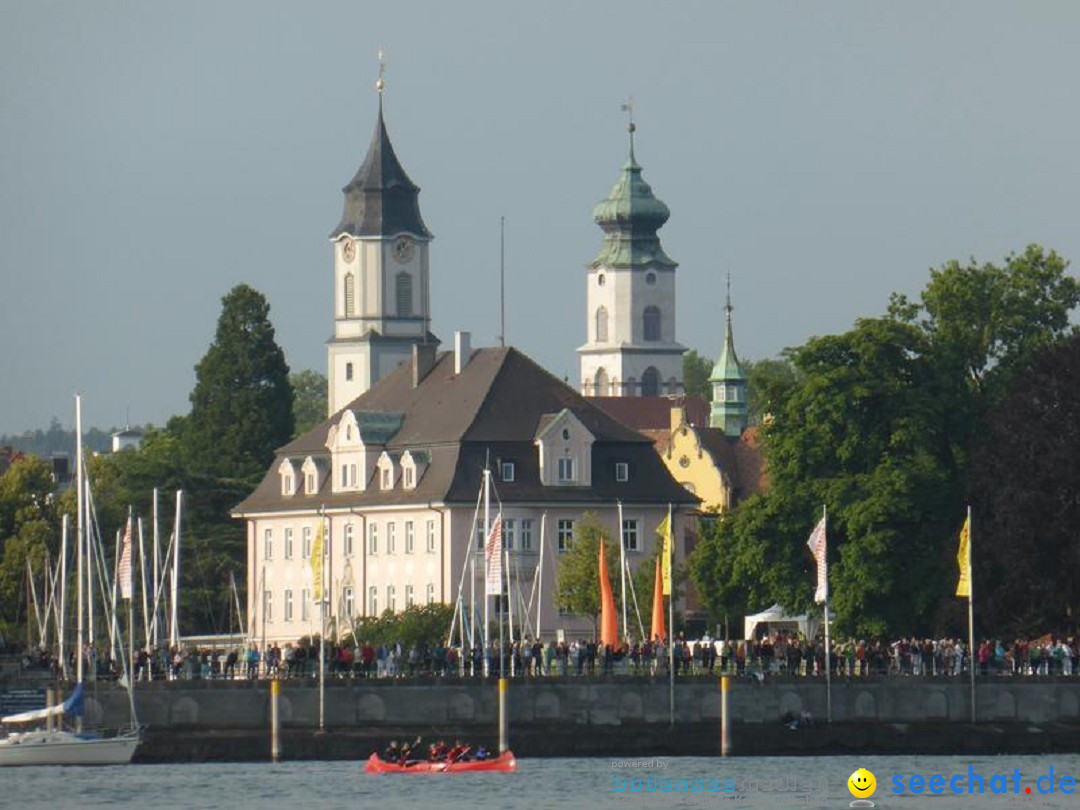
<point x="778" y="619"/>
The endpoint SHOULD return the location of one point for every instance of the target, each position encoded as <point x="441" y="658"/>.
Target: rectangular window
<point x="566" y="469"/>
<point x="305" y="551"/>
<point x="391" y="598"/>
<point x="509" y="530"/>
<point x="305" y="605"/>
<point x="352" y="475"/>
<point x="373" y="601"/>
<point x="344" y="475"/>
<point x="288" y="606"/>
<point x="431" y="536"/>
<point x="268" y="544"/>
<point x="622" y="471"/>
<point x="387" y="481"/>
<point x="288" y="544"/>
<point x="409" y="537"/>
<point x="348" y="603"/>
<point x="507" y="471"/>
<point x="373" y="539"/>
<point x="630" y="534"/>
<point x="268" y="606"/>
<point x="391" y="537"/>
<point x="409" y="476"/>
<point x="408" y="596"/>
<point x="311" y="483"/>
<point x="526" y="534"/>
<point x="348" y="543"/>
<point x="564" y="530"/>
<point x="431" y="593"/>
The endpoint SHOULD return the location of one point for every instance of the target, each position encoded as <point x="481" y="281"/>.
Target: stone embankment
<point x="230" y="720"/>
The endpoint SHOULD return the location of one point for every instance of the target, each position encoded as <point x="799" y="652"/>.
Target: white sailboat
<point x="57" y="745"/>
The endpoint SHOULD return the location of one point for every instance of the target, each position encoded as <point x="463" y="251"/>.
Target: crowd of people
<point x="779" y="654"/>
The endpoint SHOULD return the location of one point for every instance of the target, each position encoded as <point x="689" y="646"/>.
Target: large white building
<point x="393" y="475"/>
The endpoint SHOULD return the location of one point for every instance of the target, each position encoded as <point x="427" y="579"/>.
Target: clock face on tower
<point x="403" y="249"/>
<point x="348" y="250"/>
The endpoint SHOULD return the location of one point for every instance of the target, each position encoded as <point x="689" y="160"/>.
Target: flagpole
<point x="828" y="646"/>
<point x="671" y="619"/>
<point x="322" y="628"/>
<point x="622" y="569"/>
<point x="971" y="617"/>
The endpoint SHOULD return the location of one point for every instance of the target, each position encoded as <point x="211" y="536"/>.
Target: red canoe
<point x="505" y="763"/>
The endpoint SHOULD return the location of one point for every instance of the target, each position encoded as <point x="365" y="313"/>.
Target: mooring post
<point x="275" y="720"/>
<point x="725" y="716"/>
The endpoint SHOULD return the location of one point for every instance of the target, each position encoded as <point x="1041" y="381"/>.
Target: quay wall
<point x="195" y="720"/>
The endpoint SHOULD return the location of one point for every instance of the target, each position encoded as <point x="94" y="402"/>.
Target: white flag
<point x="493" y="559"/>
<point x="817" y="546"/>
<point x="123" y="571"/>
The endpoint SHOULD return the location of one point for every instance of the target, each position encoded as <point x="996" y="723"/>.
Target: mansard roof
<point x="490" y="411"/>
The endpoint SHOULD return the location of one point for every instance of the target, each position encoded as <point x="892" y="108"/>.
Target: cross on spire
<point x="380" y="83"/>
<point x="628" y="108"/>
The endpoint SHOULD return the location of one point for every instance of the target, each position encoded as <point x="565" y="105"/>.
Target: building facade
<point x="394" y="480"/>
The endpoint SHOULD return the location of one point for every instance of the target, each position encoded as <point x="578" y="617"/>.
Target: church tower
<point x="728" y="385"/>
<point x="630" y="297"/>
<point x="382" y="301"/>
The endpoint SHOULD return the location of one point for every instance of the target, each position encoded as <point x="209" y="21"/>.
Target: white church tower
<point x="630" y="297"/>
<point x="382" y="298"/>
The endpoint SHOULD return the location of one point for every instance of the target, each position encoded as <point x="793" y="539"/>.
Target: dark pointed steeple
<point x="381" y="200"/>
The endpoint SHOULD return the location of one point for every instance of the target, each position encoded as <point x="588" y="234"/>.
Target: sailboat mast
<point x="62" y="613"/>
<point x="155" y="577"/>
<point x="80" y="536"/>
<point x="174" y="628"/>
<point x="487" y="531"/>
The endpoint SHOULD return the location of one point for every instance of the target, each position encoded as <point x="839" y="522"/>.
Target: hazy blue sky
<point x="153" y="155"/>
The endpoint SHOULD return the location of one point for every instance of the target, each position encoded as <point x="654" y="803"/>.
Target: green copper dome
<point x="630" y="218"/>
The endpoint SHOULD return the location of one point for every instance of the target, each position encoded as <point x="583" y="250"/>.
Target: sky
<point x="153" y="155"/>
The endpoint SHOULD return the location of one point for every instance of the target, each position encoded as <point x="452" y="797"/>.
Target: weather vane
<point x="380" y="83"/>
<point x="628" y="108"/>
<point x="728" y="307"/>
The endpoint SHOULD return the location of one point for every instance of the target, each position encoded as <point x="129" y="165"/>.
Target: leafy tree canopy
<point x="1024" y="485"/>
<point x="696" y="372"/>
<point x="309" y="399"/>
<point x="242" y="405"/>
<point x="579" y="569"/>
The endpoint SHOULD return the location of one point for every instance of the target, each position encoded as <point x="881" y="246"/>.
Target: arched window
<point x="650" y="382"/>
<point x="601" y="325"/>
<point x="350" y="295"/>
<point x="652" y="323"/>
<point x="601" y="384"/>
<point x="403" y="288"/>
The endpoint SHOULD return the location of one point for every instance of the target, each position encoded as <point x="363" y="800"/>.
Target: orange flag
<point x="609" y="627"/>
<point x="659" y="630"/>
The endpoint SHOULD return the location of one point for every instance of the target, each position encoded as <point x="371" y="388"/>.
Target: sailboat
<point x="57" y="745"/>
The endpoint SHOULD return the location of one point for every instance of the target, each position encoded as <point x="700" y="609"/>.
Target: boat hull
<point x="504" y="763"/>
<point x="66" y="748"/>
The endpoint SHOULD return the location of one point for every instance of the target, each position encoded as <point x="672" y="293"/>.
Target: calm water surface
<point x="539" y="784"/>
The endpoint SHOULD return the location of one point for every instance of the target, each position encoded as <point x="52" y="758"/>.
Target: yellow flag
<point x="963" y="556"/>
<point x="316" y="561"/>
<point x="664" y="530"/>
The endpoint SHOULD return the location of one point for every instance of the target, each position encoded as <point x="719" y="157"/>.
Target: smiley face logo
<point x="862" y="784"/>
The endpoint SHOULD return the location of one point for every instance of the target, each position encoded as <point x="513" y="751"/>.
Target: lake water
<point x="587" y="784"/>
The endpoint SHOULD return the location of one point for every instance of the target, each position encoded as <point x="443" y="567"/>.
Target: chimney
<point x="462" y="350"/>
<point x="423" y="360"/>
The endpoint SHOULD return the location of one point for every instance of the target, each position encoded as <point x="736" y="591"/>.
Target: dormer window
<point x="413" y="465"/>
<point x="386" y="478"/>
<point x="622" y="471"/>
<point x="288" y="478"/>
<point x="311" y="475"/>
<point x="410" y="478"/>
<point x="566" y="470"/>
<point x="506" y="471"/>
<point x="387" y="473"/>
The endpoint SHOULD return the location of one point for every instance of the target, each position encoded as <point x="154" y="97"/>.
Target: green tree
<point x="241" y="408"/>
<point x="578" y="589"/>
<point x="768" y="383"/>
<point x="1024" y="487"/>
<point x="309" y="399"/>
<point x="696" y="373"/>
